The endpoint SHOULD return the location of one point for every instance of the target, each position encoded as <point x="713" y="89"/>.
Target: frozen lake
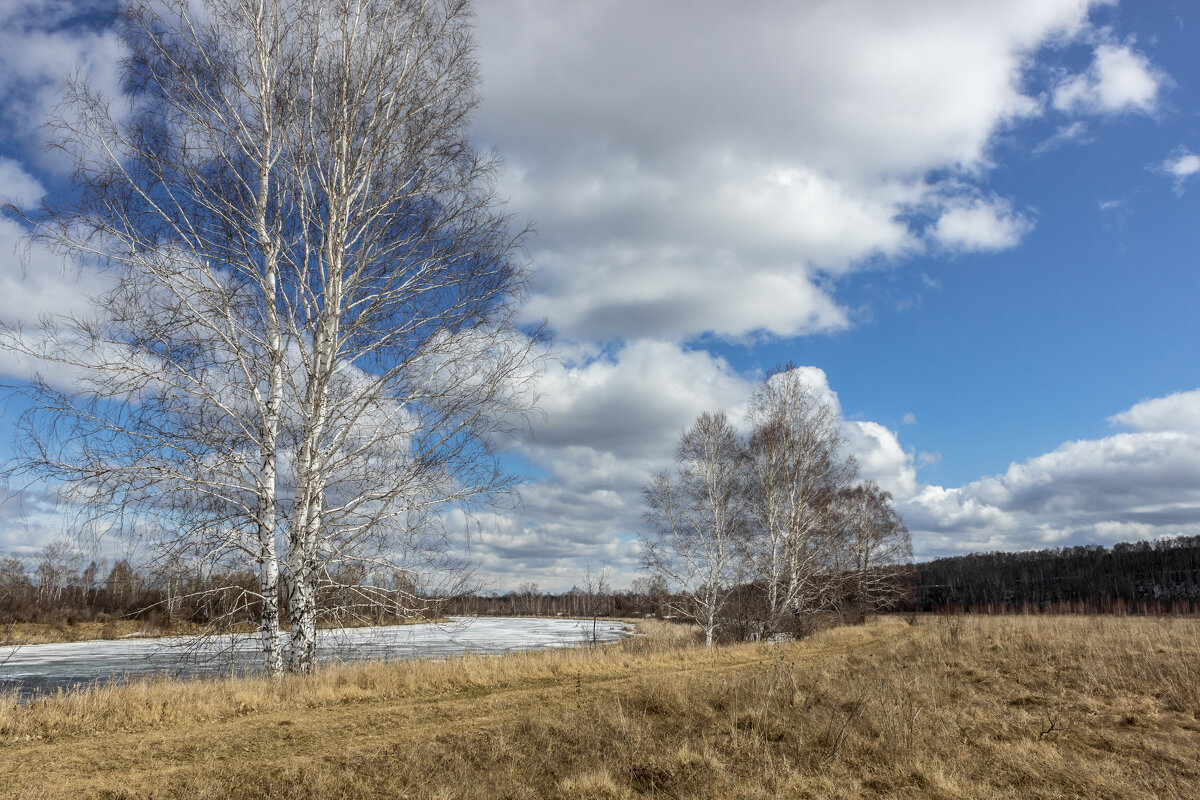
<point x="47" y="667"/>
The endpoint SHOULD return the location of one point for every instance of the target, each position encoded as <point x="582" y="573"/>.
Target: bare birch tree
<point x="310" y="342"/>
<point x="796" y="465"/>
<point x="874" y="549"/>
<point x="168" y="422"/>
<point x="409" y="361"/>
<point x="697" y="513"/>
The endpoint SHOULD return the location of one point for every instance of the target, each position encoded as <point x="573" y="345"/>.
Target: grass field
<point x="1018" y="707"/>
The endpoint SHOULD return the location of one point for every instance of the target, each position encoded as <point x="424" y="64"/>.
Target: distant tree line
<point x="1139" y="577"/>
<point x="645" y="597"/>
<point x="60" y="586"/>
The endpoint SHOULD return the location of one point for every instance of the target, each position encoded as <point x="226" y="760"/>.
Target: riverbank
<point x="986" y="708"/>
<point x="24" y="633"/>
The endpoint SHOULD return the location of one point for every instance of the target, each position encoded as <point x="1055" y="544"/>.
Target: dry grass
<point x="946" y="708"/>
<point x="23" y="633"/>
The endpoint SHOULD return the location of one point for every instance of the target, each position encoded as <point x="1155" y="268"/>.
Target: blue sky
<point x="975" y="222"/>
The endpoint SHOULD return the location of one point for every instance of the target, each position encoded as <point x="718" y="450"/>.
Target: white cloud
<point x="633" y="403"/>
<point x="620" y="416"/>
<point x="1179" y="412"/>
<point x="675" y="294"/>
<point x="1119" y="80"/>
<point x="34" y="282"/>
<point x="29" y="519"/>
<point x="935" y="509"/>
<point x="611" y="422"/>
<point x="880" y="457"/>
<point x="720" y="185"/>
<point x="1181" y="165"/>
<point x="927" y="459"/>
<point x="17" y="186"/>
<point x="1140" y="484"/>
<point x="678" y="189"/>
<point x="980" y="224"/>
<point x="909" y="419"/>
<point x="42" y="42"/>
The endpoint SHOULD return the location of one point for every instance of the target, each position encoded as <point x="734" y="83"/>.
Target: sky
<point x="973" y="223"/>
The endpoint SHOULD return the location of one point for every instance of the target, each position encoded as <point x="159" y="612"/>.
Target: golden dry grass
<point x="947" y="708"/>
<point x="23" y="633"/>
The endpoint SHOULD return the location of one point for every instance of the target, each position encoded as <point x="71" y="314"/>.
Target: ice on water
<point x="47" y="667"/>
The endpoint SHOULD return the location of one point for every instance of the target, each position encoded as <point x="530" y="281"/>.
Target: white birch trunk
<point x="272" y="408"/>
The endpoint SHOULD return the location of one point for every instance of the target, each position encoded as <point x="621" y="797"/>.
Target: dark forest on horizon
<point x="1144" y="577"/>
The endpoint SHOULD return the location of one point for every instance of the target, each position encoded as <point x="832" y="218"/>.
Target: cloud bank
<point x="1143" y="482"/>
<point x="712" y="168"/>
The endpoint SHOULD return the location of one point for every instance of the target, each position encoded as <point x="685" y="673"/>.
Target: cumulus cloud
<point x="609" y="421"/>
<point x="16" y="185"/>
<point x="1142" y="483"/>
<point x="676" y="294"/>
<point x="980" y="224"/>
<point x="676" y="190"/>
<point x="634" y="402"/>
<point x="42" y="42"/>
<point x="1181" y="165"/>
<point x="31" y="517"/>
<point x="880" y="457"/>
<point x="612" y="420"/>
<point x="1120" y="80"/>
<point x="1173" y="413"/>
<point x="34" y="282"/>
<point x="621" y="415"/>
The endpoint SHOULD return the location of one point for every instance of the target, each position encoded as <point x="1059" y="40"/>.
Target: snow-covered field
<point x="46" y="667"/>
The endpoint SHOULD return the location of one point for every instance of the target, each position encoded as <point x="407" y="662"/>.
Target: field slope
<point x="944" y="708"/>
